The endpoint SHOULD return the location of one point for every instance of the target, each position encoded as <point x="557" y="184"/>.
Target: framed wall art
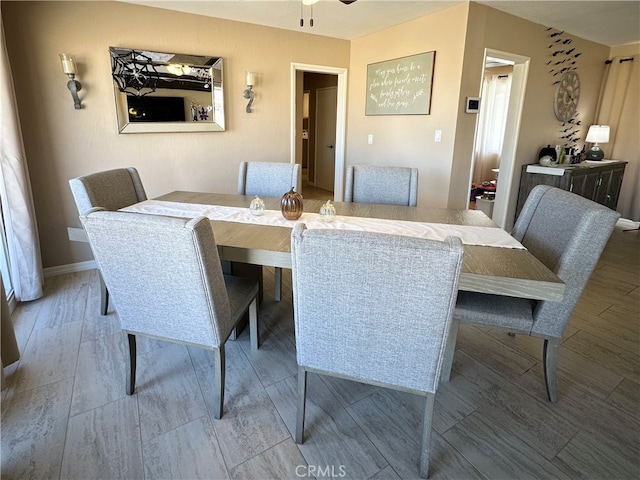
<point x="401" y="86"/>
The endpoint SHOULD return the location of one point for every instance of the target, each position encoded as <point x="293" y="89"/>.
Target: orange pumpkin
<point x="291" y="205"/>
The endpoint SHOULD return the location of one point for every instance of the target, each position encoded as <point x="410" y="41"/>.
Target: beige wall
<point x="625" y="50"/>
<point x="459" y="35"/>
<point x="490" y="28"/>
<point x="62" y="143"/>
<point x="408" y="140"/>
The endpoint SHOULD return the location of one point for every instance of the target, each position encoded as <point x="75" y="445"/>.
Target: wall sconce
<point x="597" y="134"/>
<point x="248" y="93"/>
<point x="69" y="68"/>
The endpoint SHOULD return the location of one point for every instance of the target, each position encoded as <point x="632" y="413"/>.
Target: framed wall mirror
<point x="167" y="92"/>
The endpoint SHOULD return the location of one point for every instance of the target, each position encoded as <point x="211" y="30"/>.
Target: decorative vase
<point x="328" y="212"/>
<point x="257" y="206"/>
<point x="291" y="205"/>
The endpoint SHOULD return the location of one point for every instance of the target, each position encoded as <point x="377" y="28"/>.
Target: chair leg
<point x="302" y="400"/>
<point x="447" y="360"/>
<point x="131" y="372"/>
<point x="550" y="360"/>
<point x="425" y="441"/>
<point x="253" y="324"/>
<point x="278" y="284"/>
<point x="104" y="295"/>
<point x="220" y="367"/>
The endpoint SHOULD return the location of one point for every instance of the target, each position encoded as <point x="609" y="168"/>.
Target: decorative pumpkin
<point x="291" y="205"/>
<point x="548" y="151"/>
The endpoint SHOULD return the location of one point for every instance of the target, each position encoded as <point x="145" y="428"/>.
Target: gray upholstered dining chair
<point x="270" y="179"/>
<point x="373" y="308"/>
<point x="111" y="190"/>
<point x="389" y="185"/>
<point x="166" y="281"/>
<point x="567" y="233"/>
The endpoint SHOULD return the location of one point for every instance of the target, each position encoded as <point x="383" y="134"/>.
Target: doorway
<point x="506" y="190"/>
<point x="318" y="135"/>
<point x="327" y="180"/>
<point x="325" y="138"/>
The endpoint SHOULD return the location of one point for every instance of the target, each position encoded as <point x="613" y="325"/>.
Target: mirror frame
<point x="212" y="66"/>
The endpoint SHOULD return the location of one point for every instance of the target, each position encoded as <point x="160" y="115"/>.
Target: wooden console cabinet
<point x="597" y="181"/>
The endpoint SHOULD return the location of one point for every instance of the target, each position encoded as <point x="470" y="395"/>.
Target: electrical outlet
<point x="370" y="139"/>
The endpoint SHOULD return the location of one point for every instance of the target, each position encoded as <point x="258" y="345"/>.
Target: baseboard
<point x="69" y="268"/>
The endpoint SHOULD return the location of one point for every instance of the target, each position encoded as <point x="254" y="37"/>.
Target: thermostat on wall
<point x="472" y="105"/>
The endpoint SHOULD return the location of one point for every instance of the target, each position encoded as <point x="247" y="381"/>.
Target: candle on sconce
<point x="68" y="64"/>
<point x="249" y="79"/>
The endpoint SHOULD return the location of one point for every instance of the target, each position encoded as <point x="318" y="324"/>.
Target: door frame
<point x="341" y="118"/>
<point x="504" y="208"/>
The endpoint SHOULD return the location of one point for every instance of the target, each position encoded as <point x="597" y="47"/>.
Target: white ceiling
<point x="607" y="22"/>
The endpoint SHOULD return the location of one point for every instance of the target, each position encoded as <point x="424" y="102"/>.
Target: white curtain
<point x="15" y="190"/>
<point x="618" y="107"/>
<point x="491" y="125"/>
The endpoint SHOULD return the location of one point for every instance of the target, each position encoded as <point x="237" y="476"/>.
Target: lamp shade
<point x="598" y="134"/>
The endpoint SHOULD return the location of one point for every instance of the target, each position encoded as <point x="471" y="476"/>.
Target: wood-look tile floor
<point x="65" y="413"/>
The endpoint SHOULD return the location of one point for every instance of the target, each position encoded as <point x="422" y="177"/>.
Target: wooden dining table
<point x="495" y="270"/>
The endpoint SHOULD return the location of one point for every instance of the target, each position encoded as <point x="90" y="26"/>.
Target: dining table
<point x="488" y="269"/>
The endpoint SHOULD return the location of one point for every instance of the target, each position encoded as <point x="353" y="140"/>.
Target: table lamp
<point x="597" y="134"/>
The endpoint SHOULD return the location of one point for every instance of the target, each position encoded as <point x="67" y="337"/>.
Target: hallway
<point x="310" y="192"/>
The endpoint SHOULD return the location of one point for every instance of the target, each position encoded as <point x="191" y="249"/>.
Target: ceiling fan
<point x="311" y="3"/>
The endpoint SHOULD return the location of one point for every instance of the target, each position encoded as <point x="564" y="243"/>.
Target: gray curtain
<point x="618" y="107"/>
<point x="18" y="215"/>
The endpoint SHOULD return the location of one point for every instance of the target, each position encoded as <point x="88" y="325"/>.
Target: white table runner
<point x="470" y="235"/>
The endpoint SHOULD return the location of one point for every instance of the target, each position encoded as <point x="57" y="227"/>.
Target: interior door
<point x="326" y="111"/>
